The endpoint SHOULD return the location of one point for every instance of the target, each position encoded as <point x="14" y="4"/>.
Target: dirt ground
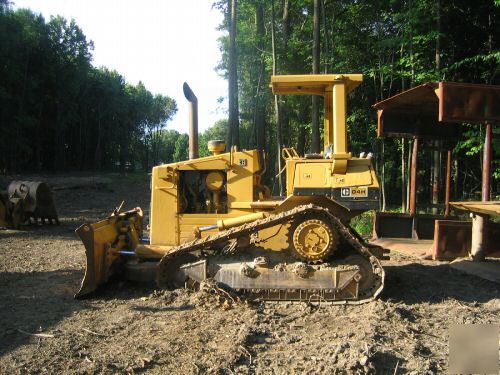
<point x="130" y="328"/>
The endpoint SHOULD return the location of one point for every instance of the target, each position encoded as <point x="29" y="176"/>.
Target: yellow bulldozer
<point x="212" y="218"/>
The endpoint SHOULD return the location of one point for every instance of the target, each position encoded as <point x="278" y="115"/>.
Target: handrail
<point x="289" y="153"/>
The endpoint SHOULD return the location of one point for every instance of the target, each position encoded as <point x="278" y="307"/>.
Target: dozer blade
<point x="105" y="242"/>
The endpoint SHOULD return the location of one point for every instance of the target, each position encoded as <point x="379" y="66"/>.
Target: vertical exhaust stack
<point x="193" y="120"/>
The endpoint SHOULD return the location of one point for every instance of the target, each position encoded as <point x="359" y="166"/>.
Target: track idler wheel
<point x="313" y="240"/>
<point x="365" y="268"/>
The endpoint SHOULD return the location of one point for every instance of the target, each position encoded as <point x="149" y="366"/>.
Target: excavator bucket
<point x="37" y="201"/>
<point x="106" y="243"/>
<point x="3" y="213"/>
<point x="11" y="212"/>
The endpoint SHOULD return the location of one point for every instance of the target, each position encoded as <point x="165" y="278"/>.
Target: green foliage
<point x="57" y="112"/>
<point x="168" y="138"/>
<point x="394" y="44"/>
<point x="215" y="132"/>
<point x="181" y="148"/>
<point x="363" y="224"/>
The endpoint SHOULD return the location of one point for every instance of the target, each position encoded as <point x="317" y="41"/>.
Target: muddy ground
<point x="129" y="328"/>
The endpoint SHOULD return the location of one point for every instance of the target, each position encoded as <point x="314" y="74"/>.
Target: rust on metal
<point x="486" y="164"/>
<point x="417" y="100"/>
<point x="413" y="113"/>
<point x="408" y="125"/>
<point x="413" y="178"/>
<point x="491" y="208"/>
<point x="482" y="238"/>
<point x="397" y="225"/>
<point x="466" y="102"/>
<point x="425" y="112"/>
<point x="422" y="111"/>
<point x="453" y="239"/>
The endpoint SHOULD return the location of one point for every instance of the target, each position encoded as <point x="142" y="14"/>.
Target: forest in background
<point x="396" y="44"/>
<point x="59" y="113"/>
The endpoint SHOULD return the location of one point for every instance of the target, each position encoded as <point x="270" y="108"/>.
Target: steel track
<point x="296" y="213"/>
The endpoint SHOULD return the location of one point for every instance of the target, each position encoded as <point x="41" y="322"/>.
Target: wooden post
<point x="448" y="184"/>
<point x="413" y="178"/>
<point x="478" y="246"/>
<point x="480" y="222"/>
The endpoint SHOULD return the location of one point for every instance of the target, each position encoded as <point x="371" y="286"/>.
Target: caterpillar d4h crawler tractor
<point x="212" y="218"/>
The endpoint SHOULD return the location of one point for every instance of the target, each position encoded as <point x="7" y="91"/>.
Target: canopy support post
<point x="413" y="178"/>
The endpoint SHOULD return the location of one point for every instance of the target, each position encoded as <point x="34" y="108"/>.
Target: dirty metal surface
<point x="398" y="225"/>
<point x="418" y="100"/>
<point x="272" y="282"/>
<point x="424" y="110"/>
<point x="37" y="199"/>
<point x="374" y="271"/>
<point x="453" y="238"/>
<point x="462" y="102"/>
<point x="410" y="125"/>
<point x="491" y="208"/>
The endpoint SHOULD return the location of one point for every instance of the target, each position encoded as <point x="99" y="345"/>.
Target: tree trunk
<point x="301" y="136"/>
<point x="260" y="109"/>
<point x="436" y="155"/>
<point x="234" y="126"/>
<point x="325" y="35"/>
<point x="38" y="141"/>
<point x="58" y="161"/>
<point x="276" y="102"/>
<point x="97" y="153"/>
<point x="315" y="144"/>
<point x="383" y="176"/>
<point x="455" y="178"/>
<point x="145" y="164"/>
<point x="286" y="23"/>
<point x="438" y="36"/>
<point x="301" y="140"/>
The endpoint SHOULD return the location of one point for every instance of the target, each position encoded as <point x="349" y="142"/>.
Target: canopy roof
<point x="422" y="110"/>
<point x="313" y="84"/>
<point x="423" y="99"/>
